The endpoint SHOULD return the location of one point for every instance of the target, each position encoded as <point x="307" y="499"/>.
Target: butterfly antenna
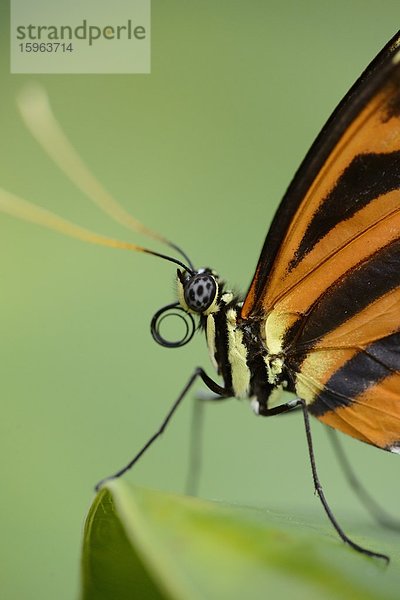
<point x="35" y="109"/>
<point x="27" y="211"/>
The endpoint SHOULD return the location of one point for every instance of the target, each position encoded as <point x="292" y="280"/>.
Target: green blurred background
<point x="202" y="151"/>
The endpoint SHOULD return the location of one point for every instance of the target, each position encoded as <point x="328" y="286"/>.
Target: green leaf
<point x="140" y="543"/>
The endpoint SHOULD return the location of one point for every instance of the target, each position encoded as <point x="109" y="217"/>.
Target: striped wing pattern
<point x="329" y="299"/>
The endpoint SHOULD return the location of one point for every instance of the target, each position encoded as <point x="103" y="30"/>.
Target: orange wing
<point x="327" y="286"/>
<point x="350" y="376"/>
<point x="332" y="199"/>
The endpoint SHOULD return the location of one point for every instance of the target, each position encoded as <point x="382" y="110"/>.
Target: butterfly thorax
<point x="236" y="347"/>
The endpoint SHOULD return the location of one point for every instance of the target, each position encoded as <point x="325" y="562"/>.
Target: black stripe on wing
<point x="360" y="286"/>
<point x="366" y="178"/>
<point x="364" y="370"/>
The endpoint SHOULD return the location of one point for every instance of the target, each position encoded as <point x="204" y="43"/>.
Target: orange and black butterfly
<point x="321" y="318"/>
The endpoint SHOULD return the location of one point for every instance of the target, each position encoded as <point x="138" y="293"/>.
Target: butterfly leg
<point x="210" y="383"/>
<point x="379" y="514"/>
<point x="319" y="490"/>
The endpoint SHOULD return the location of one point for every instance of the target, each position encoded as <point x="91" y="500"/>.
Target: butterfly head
<point x="198" y="291"/>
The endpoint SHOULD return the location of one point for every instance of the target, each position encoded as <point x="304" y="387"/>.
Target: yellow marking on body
<point x="214" y="307"/>
<point x="210" y="336"/>
<point x="237" y="356"/>
<point x="227" y="297"/>
<point x="274" y="366"/>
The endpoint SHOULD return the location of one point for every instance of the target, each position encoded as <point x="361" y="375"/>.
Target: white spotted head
<point x="198" y="293"/>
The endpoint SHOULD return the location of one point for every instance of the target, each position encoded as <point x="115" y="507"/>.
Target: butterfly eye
<point x="200" y="292"/>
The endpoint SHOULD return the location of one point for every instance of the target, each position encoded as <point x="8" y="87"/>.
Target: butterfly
<point x="321" y="316"/>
